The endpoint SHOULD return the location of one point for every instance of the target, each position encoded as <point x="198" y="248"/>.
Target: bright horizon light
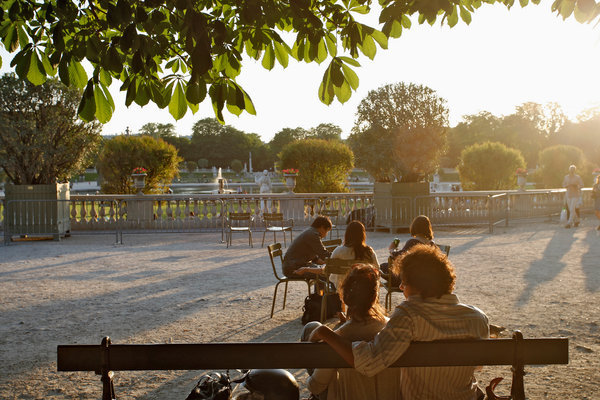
<point x="503" y="59"/>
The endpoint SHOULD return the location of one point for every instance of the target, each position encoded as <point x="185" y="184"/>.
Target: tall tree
<point x="41" y="138"/>
<point x="326" y="131"/>
<point x="285" y="137"/>
<point x="175" y="53"/>
<point x="400" y="132"/>
<point x="221" y="144"/>
<point x="476" y="128"/>
<point x="555" y="162"/>
<point x="158" y="130"/>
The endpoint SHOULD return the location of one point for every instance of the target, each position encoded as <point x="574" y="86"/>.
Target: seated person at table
<point x="306" y="253"/>
<point x="360" y="291"/>
<point x="354" y="248"/>
<point x="430" y="312"/>
<point x="421" y="232"/>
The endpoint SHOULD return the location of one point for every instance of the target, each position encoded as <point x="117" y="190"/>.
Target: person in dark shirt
<point x="421" y="232"/>
<point x="306" y="253"/>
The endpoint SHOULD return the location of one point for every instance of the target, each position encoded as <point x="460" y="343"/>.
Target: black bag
<point x="212" y="386"/>
<point x="312" y="307"/>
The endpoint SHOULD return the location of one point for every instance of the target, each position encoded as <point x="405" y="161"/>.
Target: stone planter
<point x="290" y="181"/>
<point x="521" y="181"/>
<point x="395" y="203"/>
<point x="37" y="210"/>
<point x="139" y="182"/>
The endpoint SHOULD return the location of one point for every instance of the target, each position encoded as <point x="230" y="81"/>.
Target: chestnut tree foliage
<point x="175" y="53"/>
<point x="400" y="132"/>
<point x="41" y="139"/>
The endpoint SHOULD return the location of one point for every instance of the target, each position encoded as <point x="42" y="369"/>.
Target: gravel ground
<point x="183" y="288"/>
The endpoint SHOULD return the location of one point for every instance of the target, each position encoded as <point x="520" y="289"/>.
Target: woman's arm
<point x="340" y="345"/>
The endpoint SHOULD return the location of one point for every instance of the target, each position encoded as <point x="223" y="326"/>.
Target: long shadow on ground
<point x="549" y="266"/>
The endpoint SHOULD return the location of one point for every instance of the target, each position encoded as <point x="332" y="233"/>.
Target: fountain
<point x="220" y="181"/>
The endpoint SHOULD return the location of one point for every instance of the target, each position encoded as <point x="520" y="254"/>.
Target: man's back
<point x="302" y="250"/>
<point x="428" y="319"/>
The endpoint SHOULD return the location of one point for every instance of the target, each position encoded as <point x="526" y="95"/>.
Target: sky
<point x="503" y="59"/>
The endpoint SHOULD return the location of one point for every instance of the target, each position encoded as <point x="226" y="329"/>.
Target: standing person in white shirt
<point x="430" y="312"/>
<point x="573" y="183"/>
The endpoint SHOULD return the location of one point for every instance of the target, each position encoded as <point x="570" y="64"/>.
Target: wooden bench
<point x="106" y="358"/>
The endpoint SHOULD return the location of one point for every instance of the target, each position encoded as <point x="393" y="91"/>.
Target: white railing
<point x="197" y="212"/>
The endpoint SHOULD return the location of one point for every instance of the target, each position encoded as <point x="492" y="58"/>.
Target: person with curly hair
<point x="430" y="312"/>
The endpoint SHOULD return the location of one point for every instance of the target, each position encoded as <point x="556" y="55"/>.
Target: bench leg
<point x="108" y="389"/>
<point x="517" y="390"/>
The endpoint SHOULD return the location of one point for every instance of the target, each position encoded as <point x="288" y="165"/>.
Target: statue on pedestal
<point x="263" y="181"/>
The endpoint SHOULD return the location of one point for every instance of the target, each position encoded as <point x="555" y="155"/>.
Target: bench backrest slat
<point x="131" y="357"/>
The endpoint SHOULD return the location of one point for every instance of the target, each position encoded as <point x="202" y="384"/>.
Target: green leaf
<point x="321" y="51"/>
<point x="195" y="92"/>
<point x="63" y="71"/>
<point x="406" y="23"/>
<point x="380" y="38"/>
<point x="524" y="2"/>
<point x="281" y="53"/>
<point x="268" y="61"/>
<point x="248" y="104"/>
<point x="105" y="77"/>
<point x="11" y="40"/>
<point x="36" y="74"/>
<point x="178" y="104"/>
<point x="343" y="92"/>
<point x="24" y="64"/>
<point x="217" y="94"/>
<point x="131" y="93"/>
<point x="368" y="47"/>
<point x="159" y="95"/>
<point x="452" y="17"/>
<point x="87" y="106"/>
<point x="48" y="68"/>
<point x="566" y="8"/>
<point x="23" y="38"/>
<point x="337" y="77"/>
<point x="326" y="93"/>
<point x="142" y="96"/>
<point x="108" y="96"/>
<point x="331" y="42"/>
<point x="350" y="76"/>
<point x="77" y="75"/>
<point x="465" y="15"/>
<point x="103" y="108"/>
<point x="350" y="61"/>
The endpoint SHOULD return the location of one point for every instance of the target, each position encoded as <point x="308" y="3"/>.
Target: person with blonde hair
<point x="430" y="312"/>
<point x="366" y="317"/>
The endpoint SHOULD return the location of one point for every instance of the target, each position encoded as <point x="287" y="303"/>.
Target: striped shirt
<point x="418" y="319"/>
